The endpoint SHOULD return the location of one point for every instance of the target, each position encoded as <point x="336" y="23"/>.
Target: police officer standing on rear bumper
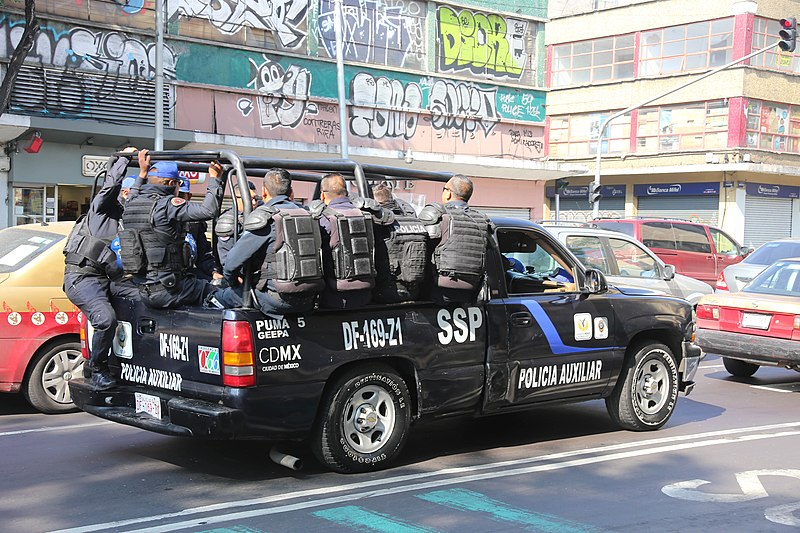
<point x="89" y="263"/>
<point x="153" y="241"/>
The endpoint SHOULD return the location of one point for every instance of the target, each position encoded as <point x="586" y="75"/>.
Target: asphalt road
<point x="726" y="461"/>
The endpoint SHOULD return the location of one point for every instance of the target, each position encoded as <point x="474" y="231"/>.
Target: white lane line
<point x="415" y="477"/>
<point x="244" y="515"/>
<point x="771" y="389"/>
<point x="54" y="428"/>
<point x="711" y="366"/>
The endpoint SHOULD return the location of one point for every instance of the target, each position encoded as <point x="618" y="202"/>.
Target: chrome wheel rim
<point x="368" y="419"/>
<point x="62" y="366"/>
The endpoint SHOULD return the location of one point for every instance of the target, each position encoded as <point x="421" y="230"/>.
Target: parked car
<point x="734" y="277"/>
<point x="625" y="261"/>
<point x="695" y="250"/>
<point x="39" y="332"/>
<point x="755" y="327"/>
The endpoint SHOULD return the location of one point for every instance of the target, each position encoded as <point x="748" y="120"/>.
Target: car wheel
<point x="364" y="420"/>
<point x="740" y="369"/>
<point x="46" y="385"/>
<point x="647" y="390"/>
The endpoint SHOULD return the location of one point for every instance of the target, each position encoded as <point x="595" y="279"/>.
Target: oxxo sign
<point x="92" y="164"/>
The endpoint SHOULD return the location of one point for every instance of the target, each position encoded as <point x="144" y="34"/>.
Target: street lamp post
<point x="337" y="26"/>
<point x="158" y="143"/>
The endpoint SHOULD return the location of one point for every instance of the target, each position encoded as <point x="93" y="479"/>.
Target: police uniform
<point x="400" y="253"/>
<point x="153" y="240"/>
<point x="257" y="246"/>
<point x="203" y="263"/>
<point x="88" y="263"/>
<point x="224" y="230"/>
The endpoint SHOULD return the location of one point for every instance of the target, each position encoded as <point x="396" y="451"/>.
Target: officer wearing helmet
<point x="89" y="265"/>
<point x="153" y="242"/>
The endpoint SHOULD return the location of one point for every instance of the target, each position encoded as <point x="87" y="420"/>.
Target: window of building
<point x="773" y="126"/>
<point x="685" y="48"/>
<point x="697" y="126"/>
<point x="610" y="58"/>
<point x="765" y="32"/>
<point x="576" y="135"/>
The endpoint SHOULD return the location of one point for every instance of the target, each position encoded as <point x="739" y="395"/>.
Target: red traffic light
<point x="788" y="34"/>
<point x="786" y="23"/>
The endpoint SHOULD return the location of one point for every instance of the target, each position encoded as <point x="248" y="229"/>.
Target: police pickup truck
<point x="351" y="382"/>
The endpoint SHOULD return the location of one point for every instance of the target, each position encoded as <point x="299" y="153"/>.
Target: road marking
<point x="723" y="437"/>
<point x="783" y="514"/>
<point x="467" y="500"/>
<point x="361" y="519"/>
<point x="771" y="389"/>
<point x="702" y="367"/>
<point x="54" y="428"/>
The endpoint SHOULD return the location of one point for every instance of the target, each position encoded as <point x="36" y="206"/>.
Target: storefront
<point x="769" y="212"/>
<point x="574" y="202"/>
<point x="696" y="202"/>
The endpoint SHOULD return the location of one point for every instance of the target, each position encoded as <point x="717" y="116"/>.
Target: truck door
<point x="561" y="342"/>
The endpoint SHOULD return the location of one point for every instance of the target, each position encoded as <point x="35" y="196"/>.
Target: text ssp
<point x="373" y="333"/>
<point x="460" y="325"/>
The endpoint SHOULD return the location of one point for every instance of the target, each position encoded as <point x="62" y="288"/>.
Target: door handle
<point x="147" y="325"/>
<point x="521" y="319"/>
<point x="709" y="258"/>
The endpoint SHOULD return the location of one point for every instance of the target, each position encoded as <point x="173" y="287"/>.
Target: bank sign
<point x="582" y="192"/>
<point x="676" y="189"/>
<point x="766" y="190"/>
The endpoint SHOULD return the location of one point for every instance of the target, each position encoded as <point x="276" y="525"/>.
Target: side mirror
<point x="669" y="272"/>
<point x="596" y="282"/>
<point x="744" y="251"/>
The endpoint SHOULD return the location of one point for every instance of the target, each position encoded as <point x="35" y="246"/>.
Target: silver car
<point x="734" y="277"/>
<point x="625" y="261"/>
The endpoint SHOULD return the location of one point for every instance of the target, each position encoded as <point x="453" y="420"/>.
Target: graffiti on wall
<point x="285" y="98"/>
<point x="463" y="108"/>
<point x="383" y="32"/>
<point x="481" y="43"/>
<point x="383" y="107"/>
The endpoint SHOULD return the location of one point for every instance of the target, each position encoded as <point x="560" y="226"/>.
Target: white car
<point x="735" y="277"/>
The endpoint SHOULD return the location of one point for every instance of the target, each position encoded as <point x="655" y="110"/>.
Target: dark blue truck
<point x="352" y="382"/>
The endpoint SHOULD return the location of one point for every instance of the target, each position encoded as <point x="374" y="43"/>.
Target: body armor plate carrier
<point x="400" y="253"/>
<point x="460" y="255"/>
<point x="293" y="261"/>
<point x="86" y="253"/>
<point x="148" y="249"/>
<point x="353" y="248"/>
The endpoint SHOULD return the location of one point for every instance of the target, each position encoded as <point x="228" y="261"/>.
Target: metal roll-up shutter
<point x="506" y="212"/>
<point x="766" y="219"/>
<point x="702" y="209"/>
<point x="581" y="211"/>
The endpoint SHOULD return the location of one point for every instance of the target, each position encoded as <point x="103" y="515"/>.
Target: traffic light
<point x="594" y="193"/>
<point x="788" y="34"/>
<point x="561" y="184"/>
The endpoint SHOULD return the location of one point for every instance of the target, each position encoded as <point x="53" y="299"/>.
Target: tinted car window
<point x="633" y="261"/>
<point x="773" y="251"/>
<point x="723" y="243"/>
<point x="622" y="227"/>
<point x="691" y="238"/>
<point x="781" y="278"/>
<point x="18" y="247"/>
<point x="589" y="251"/>
<point x="658" y="235"/>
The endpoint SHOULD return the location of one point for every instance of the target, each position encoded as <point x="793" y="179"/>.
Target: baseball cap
<point x="184" y="185"/>
<point x="128" y="182"/>
<point x="164" y="169"/>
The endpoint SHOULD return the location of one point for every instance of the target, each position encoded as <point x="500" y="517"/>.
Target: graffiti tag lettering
<point x="380" y="107"/>
<point x="463" y="107"/>
<point x="285" y="98"/>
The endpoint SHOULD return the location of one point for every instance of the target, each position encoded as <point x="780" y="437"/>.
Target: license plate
<point x="756" y="320"/>
<point x="147" y="403"/>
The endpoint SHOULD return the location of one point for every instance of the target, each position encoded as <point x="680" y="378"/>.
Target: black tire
<point x="45" y="386"/>
<point x="647" y="390"/>
<point x="364" y="420"/>
<point x="740" y="369"/>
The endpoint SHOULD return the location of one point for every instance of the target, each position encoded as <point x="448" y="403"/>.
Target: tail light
<point x="796" y="322"/>
<point x="722" y="283"/>
<point x="84" y="343"/>
<point x="708" y="312"/>
<point x="238" y="363"/>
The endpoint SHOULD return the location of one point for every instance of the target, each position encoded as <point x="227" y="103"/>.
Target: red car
<point x="695" y="250"/>
<point x="758" y="326"/>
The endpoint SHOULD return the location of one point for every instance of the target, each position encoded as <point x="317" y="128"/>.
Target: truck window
<point x="690" y="238"/>
<point x="723" y="243"/>
<point x="658" y="235"/>
<point x="589" y="251"/>
<point x="543" y="268"/>
<point x="633" y="261"/>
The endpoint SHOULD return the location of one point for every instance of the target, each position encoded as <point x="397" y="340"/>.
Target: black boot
<point x="87" y="369"/>
<point x="101" y="377"/>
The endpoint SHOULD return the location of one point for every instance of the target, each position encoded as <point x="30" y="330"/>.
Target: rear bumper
<point x="183" y="417"/>
<point x="756" y="349"/>
<point x="689" y="365"/>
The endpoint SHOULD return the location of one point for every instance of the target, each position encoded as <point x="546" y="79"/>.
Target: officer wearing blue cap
<point x="153" y="241"/>
<point x="90" y="268"/>
<point x="204" y="263"/>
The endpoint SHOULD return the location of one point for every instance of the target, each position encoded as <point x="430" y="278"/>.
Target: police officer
<point x="205" y="266"/>
<point x="382" y="193"/>
<point x="224" y="227"/>
<point x="347" y="246"/>
<point x="89" y="262"/>
<point x="459" y="236"/>
<point x="153" y="241"/>
<point x="281" y="284"/>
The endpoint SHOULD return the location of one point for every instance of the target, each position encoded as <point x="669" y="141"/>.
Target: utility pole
<point x="159" y="133"/>
<point x="338" y="25"/>
<point x="594" y="188"/>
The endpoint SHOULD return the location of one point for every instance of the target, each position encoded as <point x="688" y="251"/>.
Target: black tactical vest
<point x="85" y="253"/>
<point x="400" y="253"/>
<point x="293" y="260"/>
<point x="460" y="255"/>
<point x="353" y="248"/>
<point x="145" y="248"/>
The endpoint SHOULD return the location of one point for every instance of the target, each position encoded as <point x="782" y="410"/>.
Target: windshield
<point x="781" y="278"/>
<point x="773" y="251"/>
<point x="19" y="247"/>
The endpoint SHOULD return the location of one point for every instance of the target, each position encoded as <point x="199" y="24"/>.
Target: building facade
<point x="454" y="86"/>
<point x="723" y="151"/>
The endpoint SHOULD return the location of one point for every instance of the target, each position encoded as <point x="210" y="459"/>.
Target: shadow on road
<point x="15" y="404"/>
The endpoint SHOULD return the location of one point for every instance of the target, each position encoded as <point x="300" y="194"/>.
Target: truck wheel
<point x="740" y="369"/>
<point x="364" y="421"/>
<point x="46" y="385"/>
<point x="647" y="390"/>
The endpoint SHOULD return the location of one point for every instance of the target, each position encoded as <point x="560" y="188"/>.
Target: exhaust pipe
<point x="284" y="459"/>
